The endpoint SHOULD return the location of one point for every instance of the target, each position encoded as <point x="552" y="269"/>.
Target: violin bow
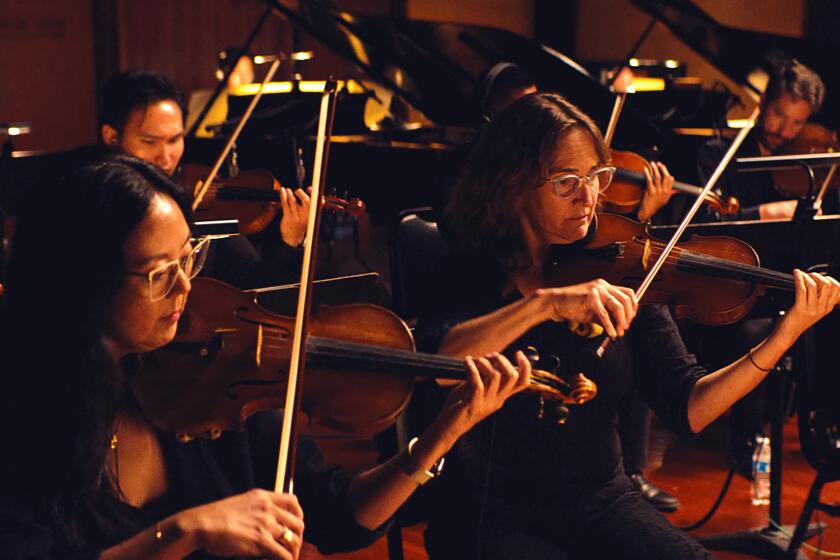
<point x="657" y="265"/>
<point x="201" y="188"/>
<point x="284" y="481"/>
<point x="620" y="97"/>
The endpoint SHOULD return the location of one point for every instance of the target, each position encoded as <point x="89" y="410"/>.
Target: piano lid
<point x="436" y="66"/>
<point x="737" y="52"/>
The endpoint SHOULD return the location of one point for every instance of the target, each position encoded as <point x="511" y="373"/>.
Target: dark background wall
<point x="55" y="54"/>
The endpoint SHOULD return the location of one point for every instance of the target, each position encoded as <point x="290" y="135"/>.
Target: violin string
<point x="349" y="354"/>
<point x="678" y="185"/>
<point x="368" y="353"/>
<point x="411" y="359"/>
<point x="705" y="265"/>
<point x="774" y="278"/>
<point x="754" y="273"/>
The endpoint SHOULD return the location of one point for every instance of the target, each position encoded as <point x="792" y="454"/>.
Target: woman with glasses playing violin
<point x="97" y="277"/>
<point x="526" y="485"/>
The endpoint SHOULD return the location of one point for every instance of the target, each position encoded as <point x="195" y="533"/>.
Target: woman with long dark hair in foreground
<point x="100" y="272"/>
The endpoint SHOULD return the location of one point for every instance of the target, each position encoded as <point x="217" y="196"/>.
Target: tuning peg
<point x="562" y="412"/>
<point x="532" y="354"/>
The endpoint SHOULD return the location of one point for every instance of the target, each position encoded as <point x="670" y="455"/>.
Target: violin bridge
<point x="258" y="356"/>
<point x="646" y="255"/>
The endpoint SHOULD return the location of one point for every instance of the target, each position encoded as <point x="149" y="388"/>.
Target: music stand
<point x="769" y="541"/>
<point x="355" y="288"/>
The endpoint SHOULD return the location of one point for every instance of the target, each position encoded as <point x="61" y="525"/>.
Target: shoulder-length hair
<point x="511" y="158"/>
<point x="61" y="387"/>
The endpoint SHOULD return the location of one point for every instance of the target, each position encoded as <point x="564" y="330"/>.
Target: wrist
<point x="787" y="332"/>
<point x="540" y="308"/>
<point x="294" y="244"/>
<point x="185" y="526"/>
<point x="441" y="435"/>
<point x="415" y="467"/>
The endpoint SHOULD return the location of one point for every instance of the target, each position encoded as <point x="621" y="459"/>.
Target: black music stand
<point x="769" y="541"/>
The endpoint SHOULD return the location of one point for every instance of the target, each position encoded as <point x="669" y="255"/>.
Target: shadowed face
<point x="154" y="133"/>
<point x="137" y="323"/>
<point x="781" y="120"/>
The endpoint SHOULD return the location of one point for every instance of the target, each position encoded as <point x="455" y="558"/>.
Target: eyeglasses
<point x="566" y="186"/>
<point x="162" y="278"/>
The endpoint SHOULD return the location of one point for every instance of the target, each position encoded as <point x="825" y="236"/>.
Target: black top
<point x="533" y="457"/>
<point x="202" y="471"/>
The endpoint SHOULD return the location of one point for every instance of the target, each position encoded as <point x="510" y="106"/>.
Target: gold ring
<point x="288" y="536"/>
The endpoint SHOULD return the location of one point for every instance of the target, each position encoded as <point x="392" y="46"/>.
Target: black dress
<point x="522" y="485"/>
<point x="202" y="472"/>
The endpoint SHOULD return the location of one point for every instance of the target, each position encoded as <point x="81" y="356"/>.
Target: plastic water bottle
<point x="760" y="489"/>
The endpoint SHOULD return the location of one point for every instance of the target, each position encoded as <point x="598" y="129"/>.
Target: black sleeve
<point x="320" y="487"/>
<point x="665" y="370"/>
<point x="462" y="288"/>
<point x="322" y="491"/>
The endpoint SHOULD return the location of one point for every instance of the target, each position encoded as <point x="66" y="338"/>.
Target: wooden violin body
<point x="231" y="357"/>
<point x="711" y="280"/>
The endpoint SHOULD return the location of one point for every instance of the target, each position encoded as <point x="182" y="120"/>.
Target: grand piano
<point x="436" y="67"/>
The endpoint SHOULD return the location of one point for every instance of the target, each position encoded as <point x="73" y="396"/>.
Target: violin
<point x="812" y="139"/>
<point x="252" y="197"/>
<point x="230" y="358"/>
<point x="624" y="195"/>
<point x="711" y="280"/>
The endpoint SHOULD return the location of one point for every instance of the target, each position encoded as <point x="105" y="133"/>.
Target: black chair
<point x="415" y="245"/>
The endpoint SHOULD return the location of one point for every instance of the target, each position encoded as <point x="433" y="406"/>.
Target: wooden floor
<point x="693" y="470"/>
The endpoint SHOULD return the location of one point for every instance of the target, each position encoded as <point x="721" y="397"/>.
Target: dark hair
<point x="510" y="158"/>
<point x="497" y="83"/>
<point x="61" y="387"/>
<point x="796" y="79"/>
<point x="130" y="90"/>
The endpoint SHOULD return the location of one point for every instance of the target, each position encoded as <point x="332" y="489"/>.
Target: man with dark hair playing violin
<point x="792" y="96"/>
<point x="143" y="115"/>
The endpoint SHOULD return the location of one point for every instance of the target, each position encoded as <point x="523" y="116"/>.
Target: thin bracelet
<point x="752" y="361"/>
